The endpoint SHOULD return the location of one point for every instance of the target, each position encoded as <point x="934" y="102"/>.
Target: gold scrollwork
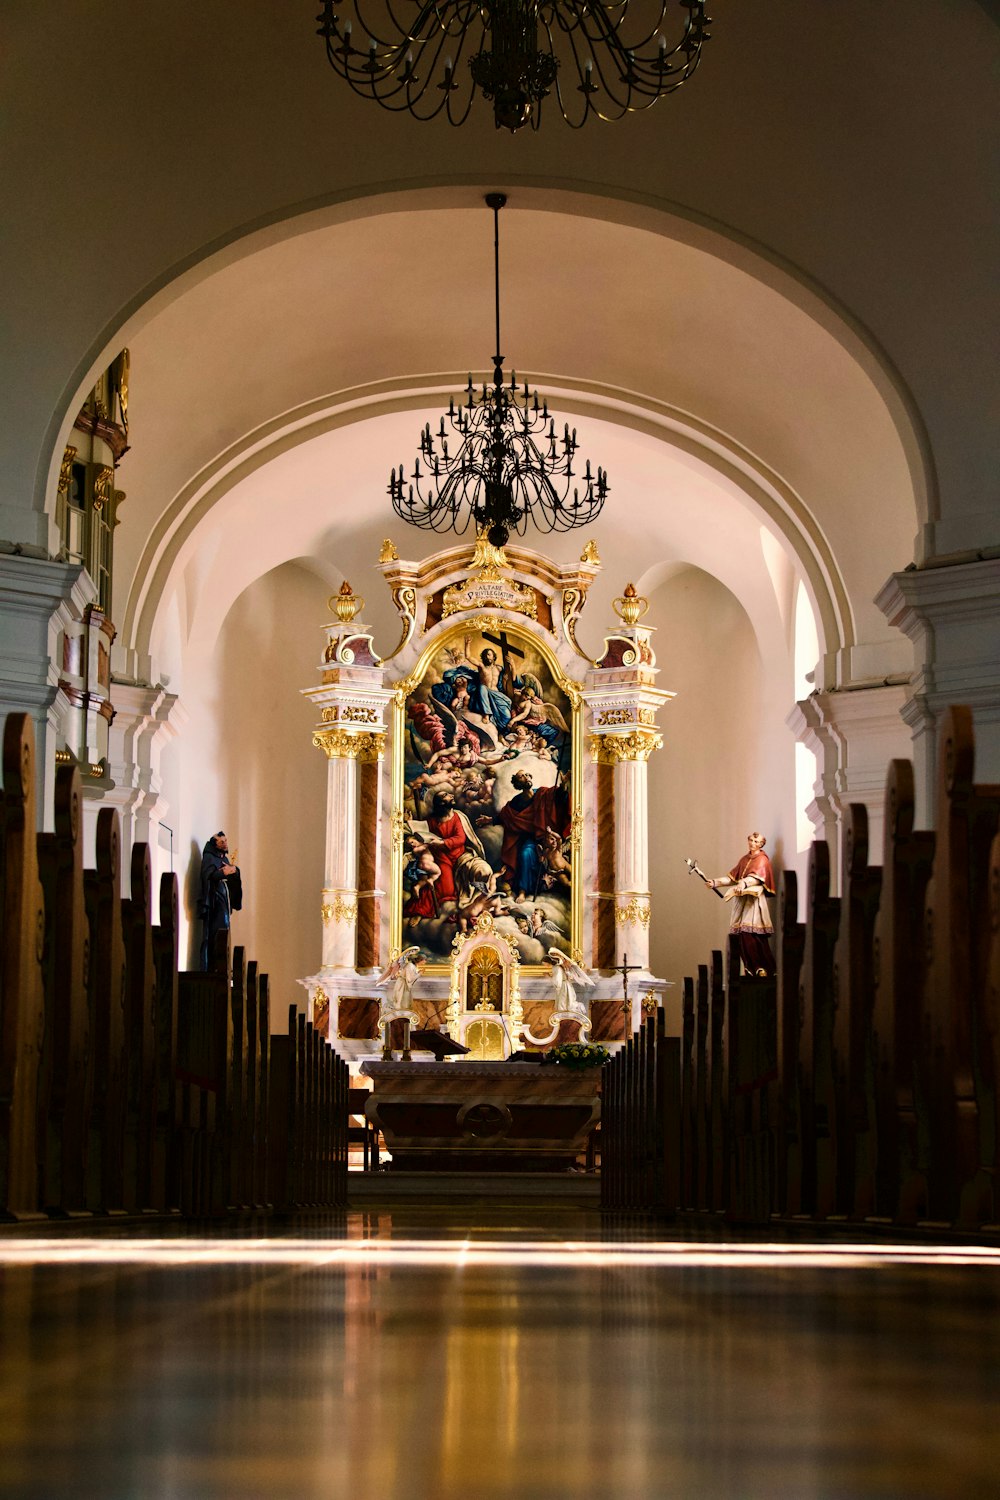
<point x="402" y="689"/>
<point x="339" y="910"/>
<point x="399" y="821"/>
<point x="635" y="913"/>
<point x="343" y="744"/>
<point x="590" y="553"/>
<point x="609" y="749"/>
<point x="66" y="468"/>
<point x="615" y="716"/>
<point x="102" y="488"/>
<point x="576" y="831"/>
<point x="388" y="553"/>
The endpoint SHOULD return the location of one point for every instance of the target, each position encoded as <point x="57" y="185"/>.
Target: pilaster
<point x="146" y="717"/>
<point x="854" y="734"/>
<point x="42" y="605"/>
<point x="951" y="613"/>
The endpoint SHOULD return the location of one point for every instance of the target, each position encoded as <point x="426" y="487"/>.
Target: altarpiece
<point x="487" y="811"/>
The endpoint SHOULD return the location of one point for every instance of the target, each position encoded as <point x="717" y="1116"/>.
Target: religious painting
<point x="485" y="786"/>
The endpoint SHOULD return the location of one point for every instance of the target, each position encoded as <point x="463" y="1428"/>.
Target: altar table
<point x="475" y="1116"/>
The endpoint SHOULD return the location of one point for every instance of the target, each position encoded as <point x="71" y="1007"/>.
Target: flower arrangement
<point x="579" y="1055"/>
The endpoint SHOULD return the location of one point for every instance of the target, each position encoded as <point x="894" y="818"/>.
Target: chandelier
<point x="604" y="59"/>
<point x="510" y="466"/>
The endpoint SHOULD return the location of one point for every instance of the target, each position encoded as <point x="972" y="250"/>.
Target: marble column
<point x="632" y="905"/>
<point x="340" y="885"/>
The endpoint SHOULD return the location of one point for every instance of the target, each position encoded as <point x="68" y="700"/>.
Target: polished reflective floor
<point x="458" y="1352"/>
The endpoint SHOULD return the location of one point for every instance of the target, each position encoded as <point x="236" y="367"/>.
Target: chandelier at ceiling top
<point x="510" y="466"/>
<point x="429" y="56"/>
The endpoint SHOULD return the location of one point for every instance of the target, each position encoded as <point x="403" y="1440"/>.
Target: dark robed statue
<point x="221" y="892"/>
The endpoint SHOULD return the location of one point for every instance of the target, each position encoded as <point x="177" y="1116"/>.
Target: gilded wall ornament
<point x="388" y="553"/>
<point x="339" y="910"/>
<point x="635" y="913"/>
<point x="590" y="553"/>
<point x="102" y="488"/>
<point x="66" y="468"/>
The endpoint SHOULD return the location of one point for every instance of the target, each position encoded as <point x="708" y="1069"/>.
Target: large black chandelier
<point x="431" y="56"/>
<point x="510" y="467"/>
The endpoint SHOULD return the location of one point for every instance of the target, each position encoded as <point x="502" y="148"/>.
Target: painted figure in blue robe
<point x="482" y="684"/>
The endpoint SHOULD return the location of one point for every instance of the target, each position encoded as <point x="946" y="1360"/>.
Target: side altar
<point x="486" y="865"/>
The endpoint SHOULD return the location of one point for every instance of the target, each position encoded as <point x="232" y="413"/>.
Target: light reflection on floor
<point x="293" y="1251"/>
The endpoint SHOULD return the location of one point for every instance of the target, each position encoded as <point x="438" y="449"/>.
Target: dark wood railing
<point x="127" y="1085"/>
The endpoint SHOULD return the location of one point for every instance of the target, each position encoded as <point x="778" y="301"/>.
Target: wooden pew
<point x="954" y="1022"/>
<point x="250" y="1192"/>
<point x="817" y="1105"/>
<point x="22" y="1000"/>
<point x="64" y="1094"/>
<point x="205" y="1070"/>
<point x="900" y="1180"/>
<point x="751" y="1069"/>
<point x="854" y="1002"/>
<point x="234" y="1134"/>
<point x="717" y="1122"/>
<point x="689" y="1133"/>
<point x="108" y="993"/>
<point x="169" y="1118"/>
<point x="282" y="1092"/>
<point x="790" y="945"/>
<point x="702" y="1093"/>
<point x="140" y="1035"/>
<point x="262" y="1192"/>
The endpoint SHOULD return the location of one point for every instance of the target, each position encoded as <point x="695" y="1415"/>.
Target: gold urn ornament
<point x="630" y="606"/>
<point x="346" y="604"/>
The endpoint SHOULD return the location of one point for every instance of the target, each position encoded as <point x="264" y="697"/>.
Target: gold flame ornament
<point x="630" y="606"/>
<point x="346" y="604"/>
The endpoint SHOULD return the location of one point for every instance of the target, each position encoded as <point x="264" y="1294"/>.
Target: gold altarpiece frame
<point x="533" y="645"/>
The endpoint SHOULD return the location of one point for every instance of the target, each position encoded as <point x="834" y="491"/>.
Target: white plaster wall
<point x="245" y="764"/>
<point x="726" y="768"/>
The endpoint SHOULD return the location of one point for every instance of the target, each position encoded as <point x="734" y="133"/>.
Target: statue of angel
<point x="397" y="980"/>
<point x="567" y="976"/>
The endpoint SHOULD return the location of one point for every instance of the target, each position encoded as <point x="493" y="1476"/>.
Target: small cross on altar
<point x="625" y="969"/>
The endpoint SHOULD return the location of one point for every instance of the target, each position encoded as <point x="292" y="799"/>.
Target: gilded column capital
<point x="342" y="744"/>
<point x="610" y="749"/>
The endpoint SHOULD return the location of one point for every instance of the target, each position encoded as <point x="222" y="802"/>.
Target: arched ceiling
<point x="847" y="145"/>
<point x="623" y="327"/>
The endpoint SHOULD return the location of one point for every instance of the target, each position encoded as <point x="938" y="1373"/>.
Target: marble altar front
<point x="483" y="1117"/>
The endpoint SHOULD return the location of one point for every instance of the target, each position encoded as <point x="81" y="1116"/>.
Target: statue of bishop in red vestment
<point x="747" y="886"/>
